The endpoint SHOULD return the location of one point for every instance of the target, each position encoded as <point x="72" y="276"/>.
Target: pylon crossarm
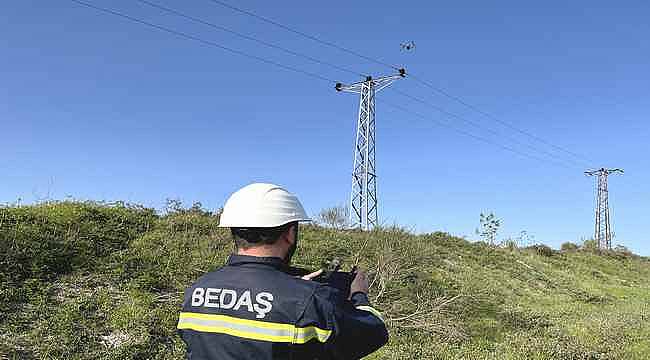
<point x="604" y="171"/>
<point x="382" y="83"/>
<point x="378" y="84"/>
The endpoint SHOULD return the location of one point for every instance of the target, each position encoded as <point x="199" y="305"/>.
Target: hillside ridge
<point x="91" y="280"/>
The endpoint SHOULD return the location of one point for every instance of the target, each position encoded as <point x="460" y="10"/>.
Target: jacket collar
<point x="275" y="262"/>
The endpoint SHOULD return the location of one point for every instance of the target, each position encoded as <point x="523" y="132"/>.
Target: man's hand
<point x="359" y="283"/>
<point x="312" y="275"/>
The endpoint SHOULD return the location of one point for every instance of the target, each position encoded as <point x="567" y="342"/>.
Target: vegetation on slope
<point x="89" y="280"/>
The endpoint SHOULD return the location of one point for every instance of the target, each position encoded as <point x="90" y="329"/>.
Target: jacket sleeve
<point x="356" y="328"/>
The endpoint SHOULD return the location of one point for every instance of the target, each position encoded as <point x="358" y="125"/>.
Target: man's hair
<point x="246" y="238"/>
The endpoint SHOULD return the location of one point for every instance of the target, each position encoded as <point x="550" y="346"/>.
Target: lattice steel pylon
<point x="363" y="198"/>
<point x="603" y="228"/>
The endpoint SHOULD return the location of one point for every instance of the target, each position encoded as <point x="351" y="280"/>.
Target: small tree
<point x="510" y="244"/>
<point x="218" y="213"/>
<point x="569" y="246"/>
<point x="173" y="206"/>
<point x="335" y="217"/>
<point x="589" y="245"/>
<point x="542" y="250"/>
<point x="489" y="225"/>
<point x="525" y="239"/>
<point x="623" y="250"/>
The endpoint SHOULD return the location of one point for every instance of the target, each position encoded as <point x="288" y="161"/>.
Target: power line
<point x="203" y="41"/>
<point x="303" y="34"/>
<point x="479" y="125"/>
<point x="248" y="37"/>
<point x="550" y="154"/>
<point x="274" y="63"/>
<point x="447" y="113"/>
<point x="494" y="118"/>
<point x="476" y="137"/>
<point x="310" y="58"/>
<point x="383" y="63"/>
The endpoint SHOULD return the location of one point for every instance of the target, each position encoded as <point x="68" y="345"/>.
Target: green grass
<point x="105" y="281"/>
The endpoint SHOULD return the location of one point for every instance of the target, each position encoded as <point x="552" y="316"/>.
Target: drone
<point x="408" y="45"/>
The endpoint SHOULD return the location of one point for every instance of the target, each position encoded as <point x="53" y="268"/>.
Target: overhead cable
<point x="475" y="137"/>
<point x="248" y="37"/>
<point x="417" y="78"/>
<point x="479" y="125"/>
<point x="203" y="41"/>
<point x="303" y="34"/>
<point x="294" y="69"/>
<point x="494" y="118"/>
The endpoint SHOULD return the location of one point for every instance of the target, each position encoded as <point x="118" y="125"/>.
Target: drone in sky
<point x="408" y="46"/>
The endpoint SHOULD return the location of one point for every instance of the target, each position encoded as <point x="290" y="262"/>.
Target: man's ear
<point x="286" y="236"/>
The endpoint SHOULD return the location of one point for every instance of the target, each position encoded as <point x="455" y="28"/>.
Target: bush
<point x="167" y="261"/>
<point x="569" y="246"/>
<point x="489" y="226"/>
<point x="195" y="220"/>
<point x="624" y="251"/>
<point x="184" y="244"/>
<point x="335" y="217"/>
<point x="510" y="244"/>
<point x="46" y="240"/>
<point x="542" y="250"/>
<point x="78" y="325"/>
<point x="589" y="245"/>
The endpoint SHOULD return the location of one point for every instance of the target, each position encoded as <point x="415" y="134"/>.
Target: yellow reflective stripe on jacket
<point x="372" y="310"/>
<point x="305" y="334"/>
<point x="251" y="329"/>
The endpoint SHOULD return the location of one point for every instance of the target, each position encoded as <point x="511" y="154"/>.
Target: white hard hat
<point x="261" y="205"/>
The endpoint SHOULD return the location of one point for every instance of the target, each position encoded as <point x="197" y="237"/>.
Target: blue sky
<point x="96" y="107"/>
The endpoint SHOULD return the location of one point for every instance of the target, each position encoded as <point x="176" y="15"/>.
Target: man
<point x="251" y="308"/>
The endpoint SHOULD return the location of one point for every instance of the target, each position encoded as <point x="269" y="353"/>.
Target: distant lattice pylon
<point x="603" y="227"/>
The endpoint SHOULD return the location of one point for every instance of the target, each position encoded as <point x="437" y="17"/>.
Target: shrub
<point x="569" y="246"/>
<point x="195" y="220"/>
<point x="164" y="261"/>
<point x="335" y="217"/>
<point x="46" y="240"/>
<point x="589" y="245"/>
<point x="542" y="250"/>
<point x="489" y="226"/>
<point x="184" y="244"/>
<point x="510" y="244"/>
<point x="622" y="250"/>
<point x="619" y="252"/>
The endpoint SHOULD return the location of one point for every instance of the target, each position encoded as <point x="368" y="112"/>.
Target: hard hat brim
<point x="228" y="224"/>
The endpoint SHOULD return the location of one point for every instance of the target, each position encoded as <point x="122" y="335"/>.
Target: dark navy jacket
<point x="252" y="309"/>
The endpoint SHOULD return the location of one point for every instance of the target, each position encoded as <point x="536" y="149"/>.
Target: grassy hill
<point x="89" y="280"/>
